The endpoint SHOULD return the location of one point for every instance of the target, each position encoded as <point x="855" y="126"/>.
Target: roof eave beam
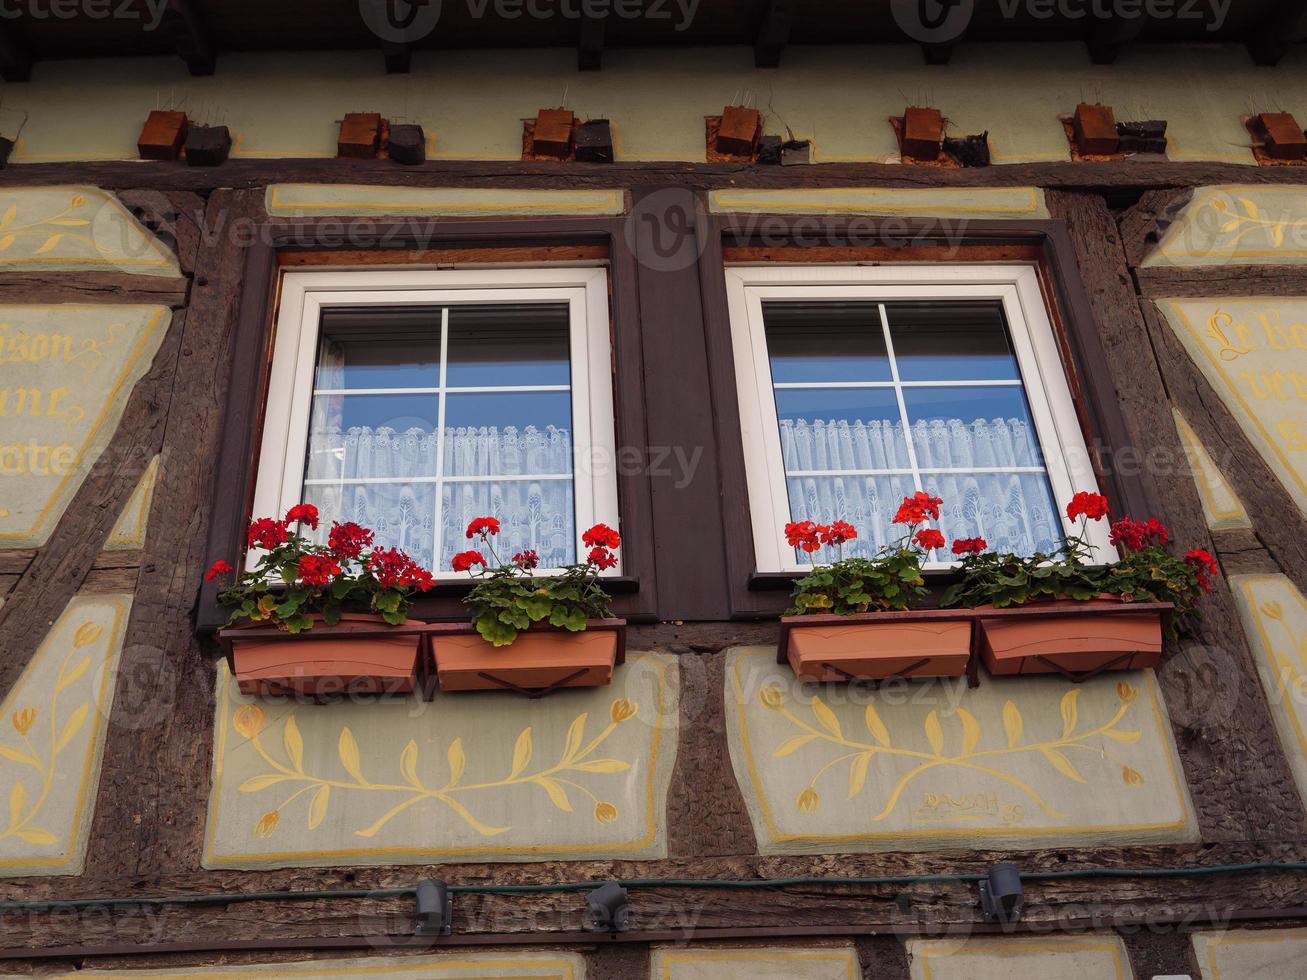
<point x="1286" y="25"/>
<point x="1109" y="35"/>
<point x="590" y="44"/>
<point x="181" y="22"/>
<point x="774" y="34"/>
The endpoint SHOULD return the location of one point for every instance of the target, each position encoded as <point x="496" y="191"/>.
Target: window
<point x="859" y="386"/>
<point x="412" y="402"/>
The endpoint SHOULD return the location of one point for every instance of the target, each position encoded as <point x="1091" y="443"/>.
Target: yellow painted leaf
<point x="602" y="765"/>
<point x="1250" y="208"/>
<point x="1012" y="724"/>
<point x="318" y="807"/>
<point x="575" y="732"/>
<point x="876" y="727"/>
<point x="408" y="764"/>
<point x="71" y="727"/>
<point x="1277" y="235"/>
<point x="1070" y="711"/>
<point x="521" y="753"/>
<point x="13" y="755"/>
<point x="34" y="835"/>
<point x="792" y="745"/>
<point x="294" y="744"/>
<point x="457" y="761"/>
<point x="826" y="717"/>
<point x="49" y="245"/>
<point x="349" y="754"/>
<point x="934" y="734"/>
<point x="858" y="773"/>
<point x="69" y="222"/>
<point x="483" y="829"/>
<point x="17" y="796"/>
<point x="71" y="677"/>
<point x="1230" y="225"/>
<point x="1062" y="764"/>
<point x="970" y="731"/>
<point x="256" y="783"/>
<point x="8" y="218"/>
<point x="1128" y="738"/>
<point x="557" y="794"/>
<point x="7" y="241"/>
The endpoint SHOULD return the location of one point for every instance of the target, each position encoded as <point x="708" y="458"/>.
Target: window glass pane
<point x="520" y="432"/>
<point x="536" y="514"/>
<point x="497" y="345"/>
<point x="966" y="427"/>
<point x="840" y="429"/>
<point x="867" y="502"/>
<point x="1011" y="511"/>
<point x="402" y="515"/>
<point x="353" y="436"/>
<point x="379" y="348"/>
<point x="952" y="341"/>
<point x="825" y="342"/>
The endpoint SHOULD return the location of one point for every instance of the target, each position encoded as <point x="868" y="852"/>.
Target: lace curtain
<point x="1012" y="511"/>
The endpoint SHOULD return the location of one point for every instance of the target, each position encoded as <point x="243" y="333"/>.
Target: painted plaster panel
<point x="550" y="965"/>
<point x="982" y="202"/>
<point x="1018" y="762"/>
<point x="54" y="723"/>
<point x="493" y="777"/>
<point x="76" y="229"/>
<point x="1254" y="354"/>
<point x="1237" y="225"/>
<point x="1274" y="616"/>
<point x="472" y="103"/>
<point x="129" y="532"/>
<point x="1252" y="954"/>
<point x="986" y="958"/>
<point x="309" y="200"/>
<point x="754" y="963"/>
<point x="1222" y="508"/>
<point x="65" y="375"/>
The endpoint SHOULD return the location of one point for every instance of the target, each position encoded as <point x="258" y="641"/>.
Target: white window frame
<point x="305" y="295"/>
<point x="1016" y="286"/>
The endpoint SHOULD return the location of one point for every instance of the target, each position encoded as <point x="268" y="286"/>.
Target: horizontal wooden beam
<point x="92" y="287"/>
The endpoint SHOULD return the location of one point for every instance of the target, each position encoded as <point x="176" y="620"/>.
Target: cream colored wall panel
<point x="582" y="773"/>
<point x="1043" y="958"/>
<point x="1237" y="225"/>
<point x="1252" y="954"/>
<point x="755" y="963"/>
<point x="547" y="965"/>
<point x="54" y="723"/>
<point x="1254" y="354"/>
<point x="1274" y="616"/>
<point x="309" y="200"/>
<point x="1029" y="761"/>
<point x="129" y="531"/>
<point x="65" y="375"/>
<point x="1222" y="508"/>
<point x="981" y="202"/>
<point x="76" y="228"/>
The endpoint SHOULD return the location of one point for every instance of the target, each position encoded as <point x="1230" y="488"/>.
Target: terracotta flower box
<point x="360" y="655"/>
<point x="877" y="646"/>
<point x="1076" y="639"/>
<point x="541" y="659"/>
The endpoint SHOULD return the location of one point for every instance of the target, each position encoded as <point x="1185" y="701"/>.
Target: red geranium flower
<point x="303" y="513"/>
<point x="483" y="526"/>
<point x="318" y="569"/>
<point x="1137" y="535"/>
<point x="929" y="538"/>
<point x="392" y="567"/>
<point x="219" y="567"/>
<point x="1090" y="505"/>
<point x="526" y="559"/>
<point x="1204" y="566"/>
<point x="348" y="539"/>
<point x="601" y="536"/>
<point x="837" y="532"/>
<point x="803" y="534"/>
<point x="917" y="508"/>
<point x="601" y="557"/>
<point x="969" y="546"/>
<point x="1157" y="531"/>
<point x="464" y="560"/>
<point x="268" y="534"/>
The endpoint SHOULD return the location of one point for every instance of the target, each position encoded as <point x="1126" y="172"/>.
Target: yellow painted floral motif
<point x="51" y="229"/>
<point x="24" y="807"/>
<point x="1246" y="219"/>
<point x="577" y="759"/>
<point x="825" y="730"/>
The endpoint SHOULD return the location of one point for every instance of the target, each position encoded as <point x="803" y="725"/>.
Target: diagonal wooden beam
<point x="1286" y="25"/>
<point x="15" y="62"/>
<point x="182" y="24"/>
<point x="1108" y="35"/>
<point x="774" y="34"/>
<point x="590" y="46"/>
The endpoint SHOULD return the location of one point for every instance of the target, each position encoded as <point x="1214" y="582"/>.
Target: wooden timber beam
<point x="1108" y="35"/>
<point x="1286" y="25"/>
<point x="15" y="62"/>
<point x="398" y="55"/>
<point x="182" y="24"/>
<point x="774" y="34"/>
<point x="590" y="44"/>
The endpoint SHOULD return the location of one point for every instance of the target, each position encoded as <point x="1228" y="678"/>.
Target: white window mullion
<point x="898" y="394"/>
<point x="439" y="503"/>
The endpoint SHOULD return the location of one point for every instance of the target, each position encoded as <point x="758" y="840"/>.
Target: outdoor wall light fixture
<point x="1001" y="894"/>
<point x="435" y="912"/>
<point x="608" y="908"/>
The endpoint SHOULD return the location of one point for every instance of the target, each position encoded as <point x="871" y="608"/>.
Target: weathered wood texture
<point x="1261" y="803"/>
<point x="1156" y="952"/>
<point x="1223" y="280"/>
<point x="91" y="287"/>
<point x="1144" y="224"/>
